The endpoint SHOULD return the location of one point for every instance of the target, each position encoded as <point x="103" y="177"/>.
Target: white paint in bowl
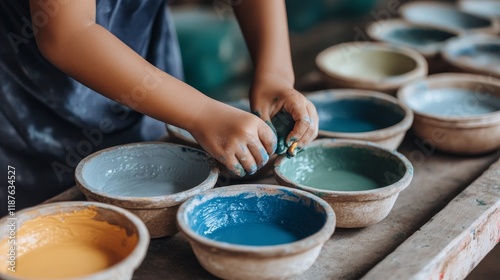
<point x="453" y="102"/>
<point x="146" y="170"/>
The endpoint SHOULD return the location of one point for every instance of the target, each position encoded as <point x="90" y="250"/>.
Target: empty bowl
<point x="150" y="179"/>
<point x="474" y="53"/>
<point x="456" y="113"/>
<point x="447" y="16"/>
<point x="362" y="115"/>
<point x="360" y="180"/>
<point x="256" y="231"/>
<point x="371" y="66"/>
<point x="77" y="240"/>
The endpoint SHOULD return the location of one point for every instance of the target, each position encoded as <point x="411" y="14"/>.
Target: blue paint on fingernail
<point x="238" y="170"/>
<point x="253" y="169"/>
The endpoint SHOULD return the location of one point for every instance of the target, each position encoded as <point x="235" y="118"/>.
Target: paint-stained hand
<point x="271" y="95"/>
<point x="238" y="139"/>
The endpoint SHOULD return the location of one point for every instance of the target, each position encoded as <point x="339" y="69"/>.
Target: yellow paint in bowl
<point x="71" y="244"/>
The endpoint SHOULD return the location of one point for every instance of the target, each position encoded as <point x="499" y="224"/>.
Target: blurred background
<point x="217" y="63"/>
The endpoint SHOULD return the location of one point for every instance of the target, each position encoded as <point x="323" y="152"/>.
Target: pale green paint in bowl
<point x="360" y="180"/>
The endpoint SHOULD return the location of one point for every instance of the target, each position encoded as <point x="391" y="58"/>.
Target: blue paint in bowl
<point x="418" y="36"/>
<point x="356" y="113"/>
<point x="255" y="218"/>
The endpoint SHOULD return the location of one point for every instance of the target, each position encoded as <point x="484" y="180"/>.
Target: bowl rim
<point x="470" y="40"/>
<point x="377" y="29"/>
<point x="309" y="242"/>
<point x="387" y="83"/>
<point x="364" y="195"/>
<point x="357" y="94"/>
<point x="130" y="262"/>
<point x="152" y="202"/>
<point x="492" y="28"/>
<point x="482" y="120"/>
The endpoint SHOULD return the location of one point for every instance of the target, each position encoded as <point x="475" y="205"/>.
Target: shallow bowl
<point x="362" y="115"/>
<point x="150" y="179"/>
<point x="371" y="66"/>
<point x="360" y="180"/>
<point x="447" y="16"/>
<point x="474" y="53"/>
<point x="77" y="240"/>
<point x="456" y="113"/>
<point x="256" y="231"/>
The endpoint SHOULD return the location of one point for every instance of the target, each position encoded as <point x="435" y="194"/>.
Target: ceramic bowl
<point x="485" y="8"/>
<point x="447" y="16"/>
<point x="371" y="66"/>
<point x="456" y="113"/>
<point x="362" y="115"/>
<point x="360" y="180"/>
<point x="150" y="179"/>
<point x="77" y="240"/>
<point x="183" y="137"/>
<point x="475" y="53"/>
<point x="256" y="231"/>
<point x="426" y="40"/>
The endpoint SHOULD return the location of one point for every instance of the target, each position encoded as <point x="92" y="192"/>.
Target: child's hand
<point x="238" y="139"/>
<point x="271" y="94"/>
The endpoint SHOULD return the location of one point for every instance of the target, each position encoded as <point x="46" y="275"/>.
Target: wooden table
<point x="441" y="226"/>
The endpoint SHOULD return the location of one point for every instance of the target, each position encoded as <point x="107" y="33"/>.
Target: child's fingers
<point x="268" y="139"/>
<point x="247" y="159"/>
<point x="312" y="130"/>
<point x="234" y="166"/>
<point x="259" y="153"/>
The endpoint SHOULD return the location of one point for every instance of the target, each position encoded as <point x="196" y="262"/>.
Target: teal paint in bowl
<point x="352" y="176"/>
<point x="256" y="231"/>
<point x="361" y="115"/>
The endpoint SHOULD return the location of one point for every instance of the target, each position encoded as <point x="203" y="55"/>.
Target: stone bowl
<point x="371" y="66"/>
<point x="474" y="53"/>
<point x="360" y="180"/>
<point x="456" y="113"/>
<point x="426" y="40"/>
<point x="362" y="115"/>
<point x="150" y="179"/>
<point x="256" y="231"/>
<point x="77" y="240"/>
<point x="183" y="137"/>
<point x="447" y="16"/>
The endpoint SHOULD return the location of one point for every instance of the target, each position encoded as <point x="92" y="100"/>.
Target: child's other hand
<point x="238" y="139"/>
<point x="271" y="94"/>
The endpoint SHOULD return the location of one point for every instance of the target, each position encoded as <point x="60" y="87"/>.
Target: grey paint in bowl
<point x="151" y="179"/>
<point x="360" y="180"/>
<point x="474" y="53"/>
<point x="446" y="16"/>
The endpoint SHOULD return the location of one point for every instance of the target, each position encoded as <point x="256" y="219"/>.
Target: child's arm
<point x="73" y="42"/>
<point x="264" y="25"/>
